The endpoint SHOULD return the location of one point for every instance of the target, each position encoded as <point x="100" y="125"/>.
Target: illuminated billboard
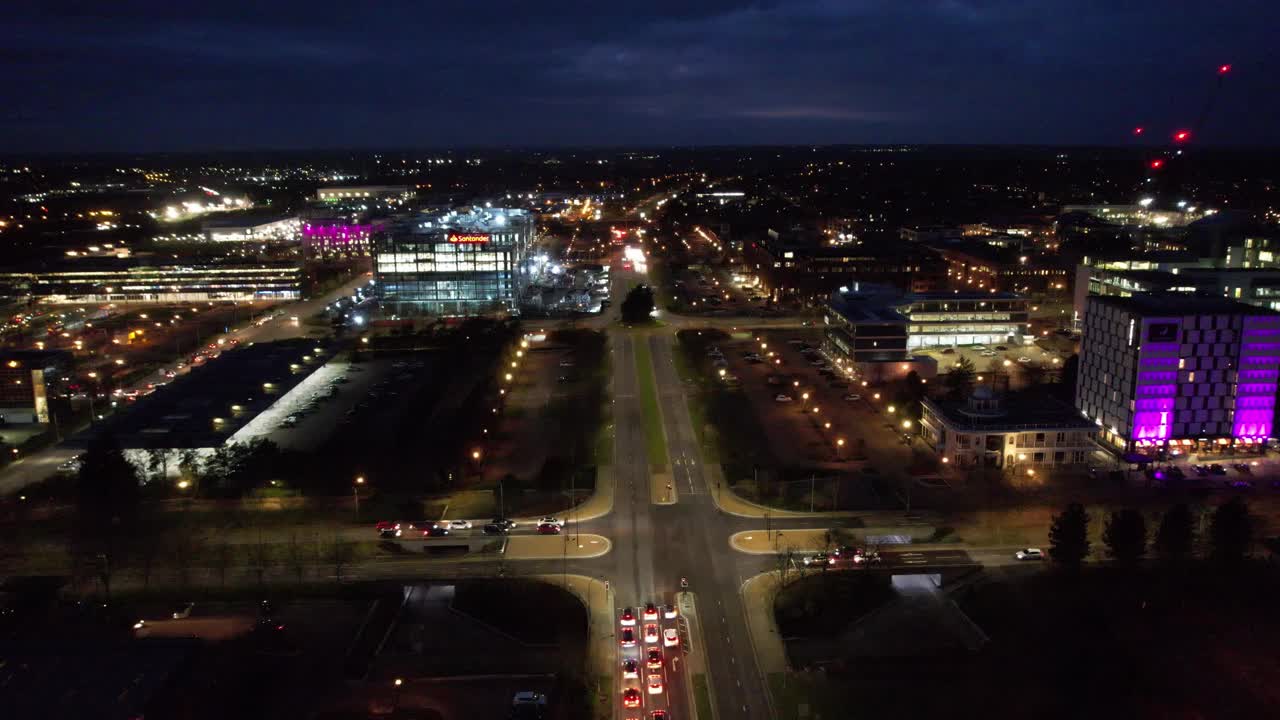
<point x="472" y="238"/>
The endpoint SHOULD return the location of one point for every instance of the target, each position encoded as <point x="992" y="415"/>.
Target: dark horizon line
<point x="65" y="154"/>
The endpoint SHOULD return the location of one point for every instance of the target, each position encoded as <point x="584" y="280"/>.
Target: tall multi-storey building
<point x="1170" y="374"/>
<point x="454" y="263"/>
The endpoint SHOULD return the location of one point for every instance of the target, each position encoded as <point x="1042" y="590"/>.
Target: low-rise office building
<point x="1016" y="432"/>
<point x="808" y="266"/>
<point x="347" y="193"/>
<point x="935" y="319"/>
<point x="251" y="227"/>
<point x="144" y="280"/>
<point x="1170" y="374"/>
<point x="25" y="376"/>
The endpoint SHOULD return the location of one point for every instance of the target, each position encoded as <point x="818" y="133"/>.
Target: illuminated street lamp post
<point x="355" y="494"/>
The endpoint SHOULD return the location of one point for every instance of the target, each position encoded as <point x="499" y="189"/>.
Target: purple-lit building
<point x="1165" y="375"/>
<point x="337" y="236"/>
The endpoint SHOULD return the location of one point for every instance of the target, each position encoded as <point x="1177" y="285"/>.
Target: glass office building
<point x="468" y="262"/>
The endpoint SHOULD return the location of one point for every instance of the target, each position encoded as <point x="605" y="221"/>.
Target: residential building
<point x="24" y="383"/>
<point x="1019" y="432"/>
<point x="1169" y="374"/>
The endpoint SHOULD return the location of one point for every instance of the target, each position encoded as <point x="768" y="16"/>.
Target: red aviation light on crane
<point x="1182" y="136"/>
<point x="1224" y="69"/>
<point x="1157" y="163"/>
<point x="1139" y="130"/>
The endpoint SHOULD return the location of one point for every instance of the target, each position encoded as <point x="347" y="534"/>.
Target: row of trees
<point x="1126" y="535"/>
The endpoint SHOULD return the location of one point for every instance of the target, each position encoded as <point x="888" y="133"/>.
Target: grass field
<point x="655" y="440"/>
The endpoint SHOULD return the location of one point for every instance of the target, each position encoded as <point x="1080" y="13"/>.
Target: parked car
<point x="782" y="398"/>
<point x="183" y="611"/>
<point x="1029" y="554"/>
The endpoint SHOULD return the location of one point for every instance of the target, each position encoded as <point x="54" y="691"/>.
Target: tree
<point x="107" y="500"/>
<point x="1231" y="531"/>
<point x="1069" y="536"/>
<point x="959" y="381"/>
<point x="340" y="553"/>
<point x="223" y="557"/>
<point x="1176" y="535"/>
<point x="261" y="558"/>
<point x="638" y="305"/>
<point x="296" y="556"/>
<point x="1126" y="535"/>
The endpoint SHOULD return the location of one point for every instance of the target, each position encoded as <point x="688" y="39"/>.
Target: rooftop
<point x="475" y="219"/>
<point x="1024" y="411"/>
<point x="1179" y="304"/>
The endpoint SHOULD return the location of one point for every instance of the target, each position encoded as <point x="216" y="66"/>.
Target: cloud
<point x="813" y="112"/>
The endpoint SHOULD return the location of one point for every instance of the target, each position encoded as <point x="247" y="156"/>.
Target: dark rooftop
<point x="1028" y="410"/>
<point x="1178" y="304"/>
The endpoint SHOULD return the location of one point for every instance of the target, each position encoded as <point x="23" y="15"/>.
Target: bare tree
<point x="223" y="556"/>
<point x="340" y="554"/>
<point x="182" y="549"/>
<point x="260" y="557"/>
<point x="296" y="556"/>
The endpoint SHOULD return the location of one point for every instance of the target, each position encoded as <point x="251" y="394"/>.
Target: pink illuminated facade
<point x="1166" y="375"/>
<point x="337" y="237"/>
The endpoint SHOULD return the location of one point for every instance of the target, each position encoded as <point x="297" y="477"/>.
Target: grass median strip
<point x="701" y="697"/>
<point x="655" y="441"/>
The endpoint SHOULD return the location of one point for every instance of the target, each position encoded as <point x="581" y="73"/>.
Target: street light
<point x="891" y="409"/>
<point x="508" y="376"/>
<point x="355" y="493"/>
<point x="475" y="454"/>
<point x="906" y="424"/>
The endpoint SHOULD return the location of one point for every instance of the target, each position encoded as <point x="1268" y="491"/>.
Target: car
<point x="651" y="633"/>
<point x="1217" y="469"/>
<point x="670" y="638"/>
<point x="494" y="529"/>
<point x="650" y="611"/>
<point x="548" y="529"/>
<point x="1001" y="348"/>
<point x="988" y="353"/>
<point x="630" y="668"/>
<point x="528" y="704"/>
<point x="504" y="523"/>
<point x="669" y="612"/>
<point x="655" y="684"/>
<point x="853" y="397"/>
<point x="871" y="557"/>
<point x="436" y="531"/>
<point x="1242" y="468"/>
<point x="782" y="398"/>
<point x="1200" y="470"/>
<point x="183" y="611"/>
<point x="819" y="559"/>
<point x="289" y="421"/>
<point x="631" y="698"/>
<point x="653" y="658"/>
<point x="658" y="715"/>
<point x="566" y="363"/>
<point x="628" y="618"/>
<point x="1024" y="359"/>
<point x="549" y="520"/>
<point x="627" y="637"/>
<point x="456" y="524"/>
<point x="1029" y="554"/>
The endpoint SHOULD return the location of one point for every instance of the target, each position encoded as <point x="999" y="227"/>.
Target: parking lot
<point x="1020" y="362"/>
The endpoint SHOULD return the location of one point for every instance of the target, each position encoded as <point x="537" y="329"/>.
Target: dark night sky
<point x="138" y="76"/>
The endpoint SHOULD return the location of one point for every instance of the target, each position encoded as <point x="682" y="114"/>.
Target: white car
<point x="655" y="684"/>
<point x="782" y="398"/>
<point x="670" y="638"/>
<point x="551" y="521"/>
<point x="1029" y="554"/>
<point x="651" y="633"/>
<point x="852" y="397"/>
<point x="1024" y="359"/>
<point x="455" y="524"/>
<point x="669" y="612"/>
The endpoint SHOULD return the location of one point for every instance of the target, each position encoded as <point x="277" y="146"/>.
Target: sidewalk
<point x="757" y="597"/>
<point x="780" y="540"/>
<point x="602" y="660"/>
